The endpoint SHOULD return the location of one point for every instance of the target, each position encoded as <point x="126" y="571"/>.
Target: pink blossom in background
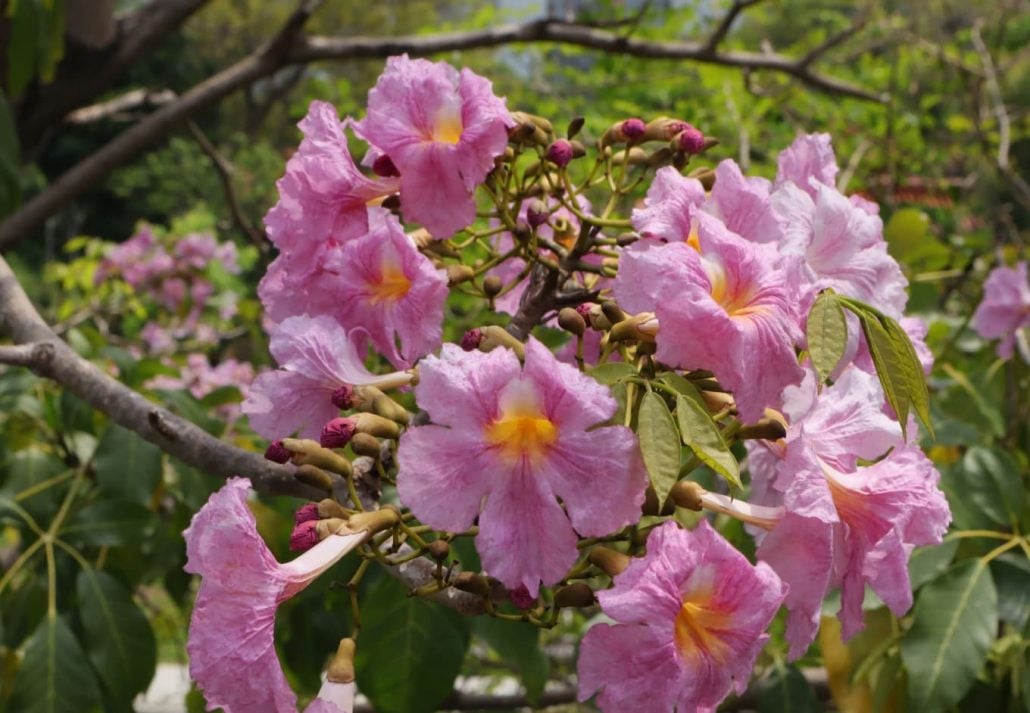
<point x="200" y="378"/>
<point x="1005" y="309"/>
<point x="504" y="443"/>
<point x="391" y="292"/>
<point x="717" y="309"/>
<point x="690" y="620"/>
<point x="231" y="648"/>
<point x="323" y="197"/>
<point x="316" y="357"/>
<point x="843" y="525"/>
<point x="442" y="129"/>
<point x="669" y="208"/>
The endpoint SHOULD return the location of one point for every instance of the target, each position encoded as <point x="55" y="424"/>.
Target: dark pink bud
<point x="277" y="453"/>
<point x="306" y="512"/>
<point x="343" y="397"/>
<point x="337" y="433"/>
<point x="584" y="310"/>
<point x="690" y="140"/>
<point x="633" y="128"/>
<point x="304" y="536"/>
<point x="560" y="152"/>
<point x="384" y="167"/>
<point x="471" y="340"/>
<point x="521" y="597"/>
<point x="537" y="213"/>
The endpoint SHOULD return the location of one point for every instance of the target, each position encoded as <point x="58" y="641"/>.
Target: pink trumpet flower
<point x="231" y="647"/>
<point x="690" y="618"/>
<point x="1005" y="309"/>
<point x="505" y="443"/>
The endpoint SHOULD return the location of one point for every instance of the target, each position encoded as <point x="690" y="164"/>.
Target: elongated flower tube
<point x="690" y="618"/>
<point x="1005" y="309"/>
<point x="442" y="130"/>
<point x="718" y="309"/>
<point x="504" y="444"/>
<point x="324" y="196"/>
<point x="391" y="292"/>
<point x="317" y="359"/>
<point x="231" y="648"/>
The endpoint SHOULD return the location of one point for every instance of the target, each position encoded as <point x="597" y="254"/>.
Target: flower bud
<point x="341" y="668"/>
<point x="690" y="141"/>
<point x="578" y="149"/>
<point x="633" y="156"/>
<point x="559" y="153"/>
<point x="337" y="433"/>
<point x="375" y="425"/>
<point x="365" y="445"/>
<point x="304" y="536"/>
<point x="521" y="597"/>
<point x="471" y="340"/>
<point x="307" y="511"/>
<point x="662" y="157"/>
<point x="492" y="286"/>
<point x="575" y="126"/>
<point x="495" y="336"/>
<point x="343" y="397"/>
<point x="315" y="477"/>
<point x="328" y="508"/>
<point x="765" y="428"/>
<point x="630" y="329"/>
<point x="577" y="595"/>
<point x="663" y="128"/>
<point x="522" y="232"/>
<point x="384" y="166"/>
<point x="626" y="239"/>
<point x="572" y="321"/>
<point x="277" y="452"/>
<point x="716" y="401"/>
<point x="439" y="550"/>
<point x="308" y="452"/>
<point x="392" y="202"/>
<point x="608" y="560"/>
<point x="331" y="526"/>
<point x="375" y="521"/>
<point x="612" y="311"/>
<point x="537" y="213"/>
<point x="633" y="129"/>
<point x="687" y="495"/>
<point x="705" y="175"/>
<point x="457" y="274"/>
<point x="652" y="507"/>
<point x="472" y="583"/>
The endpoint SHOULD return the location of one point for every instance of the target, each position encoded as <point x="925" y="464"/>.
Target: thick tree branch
<point x="86" y="73"/>
<point x="42" y="351"/>
<point x="287" y="49"/>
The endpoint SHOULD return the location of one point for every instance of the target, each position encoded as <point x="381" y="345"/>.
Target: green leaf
<point x="54" y="676"/>
<point x="117" y="635"/>
<point x="702" y="436"/>
<point x="897" y="365"/>
<point x="411" y="651"/>
<point x="517" y="643"/>
<point x="956" y="618"/>
<point x="1011" y="573"/>
<point x="991" y="482"/>
<point x="827" y="334"/>
<point x="22" y="48"/>
<point x="612" y="372"/>
<point x="659" y="444"/>
<point x="127" y="466"/>
<point x="30" y="467"/>
<point x="109" y="523"/>
<point x="928" y="562"/>
<point x="906" y="232"/>
<point x="787" y="691"/>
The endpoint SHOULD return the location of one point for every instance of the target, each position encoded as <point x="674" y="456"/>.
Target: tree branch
<point x="113" y="108"/>
<point x="87" y="73"/>
<point x="727" y="22"/>
<point x="42" y="351"/>
<point x="289" y="49"/>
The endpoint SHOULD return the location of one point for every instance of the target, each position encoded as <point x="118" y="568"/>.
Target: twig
<point x="114" y="108"/>
<point x="726" y="23"/>
<point x="225" y="169"/>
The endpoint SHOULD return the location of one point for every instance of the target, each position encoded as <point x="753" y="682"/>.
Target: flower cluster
<point x="690" y="328"/>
